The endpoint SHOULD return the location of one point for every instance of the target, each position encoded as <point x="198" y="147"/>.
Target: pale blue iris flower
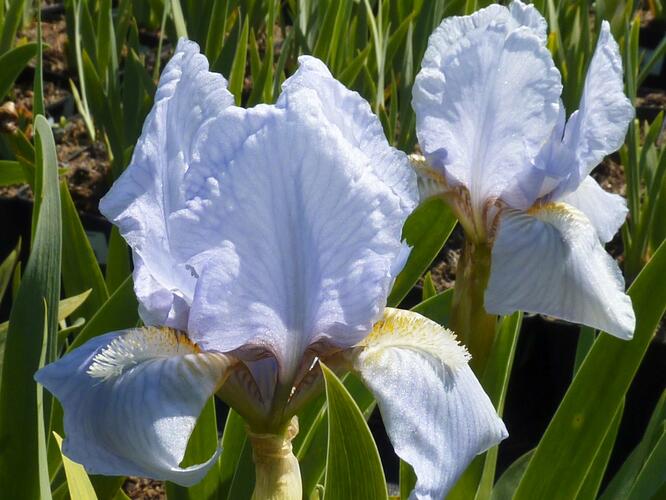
<point x="493" y="130"/>
<point x="271" y="236"/>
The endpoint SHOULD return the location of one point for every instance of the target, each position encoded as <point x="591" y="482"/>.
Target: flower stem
<point x="469" y="318"/>
<point x="278" y="476"/>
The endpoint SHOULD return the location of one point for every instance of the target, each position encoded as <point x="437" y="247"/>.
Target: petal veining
<point x="351" y="114"/>
<point x="600" y="124"/>
<point x="145" y="196"/>
<point x="486" y="109"/>
<point x="454" y="28"/>
<point x="551" y="261"/>
<point x="304" y="233"/>
<point x="436" y="413"/>
<point x="131" y="400"/>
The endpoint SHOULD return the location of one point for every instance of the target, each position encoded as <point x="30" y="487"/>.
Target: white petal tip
<point x="313" y="64"/>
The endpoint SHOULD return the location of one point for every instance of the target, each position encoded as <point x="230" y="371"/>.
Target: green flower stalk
<point x="468" y="315"/>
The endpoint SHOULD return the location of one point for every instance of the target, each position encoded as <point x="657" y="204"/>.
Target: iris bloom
<point x="272" y="236"/>
<point x="493" y="130"/>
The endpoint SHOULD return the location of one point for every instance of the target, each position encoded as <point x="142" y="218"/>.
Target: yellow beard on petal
<point x="564" y="217"/>
<point x="408" y="330"/>
<point x="136" y="346"/>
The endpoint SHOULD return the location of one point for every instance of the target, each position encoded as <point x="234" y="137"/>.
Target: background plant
<point x="62" y="296"/>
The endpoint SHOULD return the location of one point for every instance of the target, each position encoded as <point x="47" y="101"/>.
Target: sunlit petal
<point x="131" y="400"/>
<point x="551" y="261"/>
<point x="546" y="175"/>
<point x="436" y="413"/>
<point x="528" y="15"/>
<point x="144" y="198"/>
<point x="599" y="126"/>
<point x="351" y="114"/>
<point x="305" y="234"/>
<point x="454" y="28"/>
<point x="606" y="211"/>
<point x="485" y="106"/>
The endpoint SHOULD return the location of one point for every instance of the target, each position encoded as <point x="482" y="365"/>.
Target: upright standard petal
<point x="551" y="261"/>
<point x="351" y="114"/>
<point x="131" y="400"/>
<point x="606" y="211"/>
<point x="486" y="109"/>
<point x="436" y="413"/>
<point x="545" y="176"/>
<point x="600" y="124"/>
<point x="305" y="233"/>
<point x="453" y="29"/>
<point x="151" y="190"/>
<point x="528" y="15"/>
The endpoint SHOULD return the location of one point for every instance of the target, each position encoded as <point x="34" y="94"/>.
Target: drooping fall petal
<point x="131" y="400"/>
<point x="606" y="211"/>
<point x="436" y="413"/>
<point x="551" y="261"/>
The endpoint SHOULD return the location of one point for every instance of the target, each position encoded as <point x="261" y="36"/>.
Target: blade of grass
<point x="6" y="271"/>
<point x="12" y="63"/>
<point x="437" y="308"/>
<point x="622" y="482"/>
<point x="508" y="482"/>
<point x="375" y="26"/>
<point x="38" y="85"/>
<point x="42" y="459"/>
<point x="595" y="474"/>
<point x="80" y="270"/>
<point x="107" y="62"/>
<point x="216" y="29"/>
<point x="311" y="443"/>
<point x="351" y="71"/>
<point x="429" y="289"/>
<point x="234" y="442"/>
<point x="81" y="98"/>
<point x="426" y="230"/>
<point x="117" y="313"/>
<point x="282" y="60"/>
<point x="353" y="467"/>
<point x="66" y="307"/>
<point x="31" y="338"/>
<point x="651" y="482"/>
<point x="158" y="53"/>
<point x="495" y="381"/>
<point x="78" y="482"/>
<point x="237" y="75"/>
<point x="117" y="261"/>
<point x="12" y="21"/>
<point x="11" y="172"/>
<point x="656" y="56"/>
<point x="178" y="19"/>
